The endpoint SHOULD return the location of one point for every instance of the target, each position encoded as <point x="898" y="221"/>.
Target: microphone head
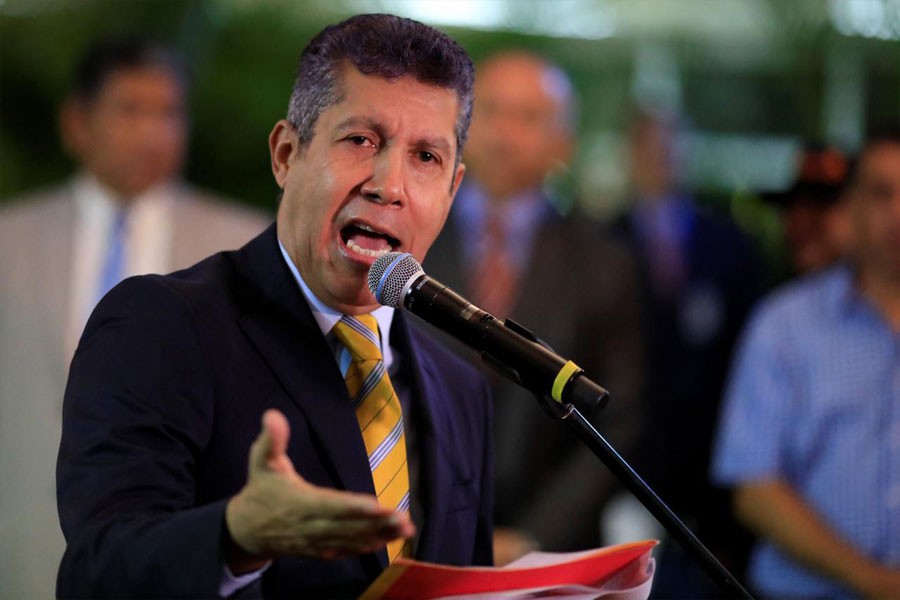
<point x="391" y="275"/>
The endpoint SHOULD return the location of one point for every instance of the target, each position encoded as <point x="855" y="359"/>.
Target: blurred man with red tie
<point x="517" y="255"/>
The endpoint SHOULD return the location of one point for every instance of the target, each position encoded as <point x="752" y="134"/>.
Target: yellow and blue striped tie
<point x="379" y="414"/>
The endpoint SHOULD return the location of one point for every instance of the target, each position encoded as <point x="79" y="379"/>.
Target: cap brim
<point x="817" y="192"/>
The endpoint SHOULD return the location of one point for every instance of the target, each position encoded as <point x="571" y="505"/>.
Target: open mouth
<point x="368" y="241"/>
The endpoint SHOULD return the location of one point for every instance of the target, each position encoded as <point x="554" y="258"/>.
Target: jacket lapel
<point x="280" y="324"/>
<point x="434" y="438"/>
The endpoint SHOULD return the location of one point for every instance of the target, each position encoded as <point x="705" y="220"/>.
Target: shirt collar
<point x="666" y="217"/>
<point x="326" y="317"/>
<point x="519" y="212"/>
<point x="846" y="294"/>
<point x="94" y="201"/>
<point x="521" y="215"/>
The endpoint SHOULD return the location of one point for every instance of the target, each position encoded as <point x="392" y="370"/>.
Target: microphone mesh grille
<point x="390" y="275"/>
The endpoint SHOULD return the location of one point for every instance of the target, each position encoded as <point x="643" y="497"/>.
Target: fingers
<point x="338" y="504"/>
<point x="333" y="538"/>
<point x="279" y="513"/>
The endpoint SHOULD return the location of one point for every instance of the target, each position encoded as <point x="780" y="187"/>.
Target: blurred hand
<point x="512" y="544"/>
<point x="278" y="513"/>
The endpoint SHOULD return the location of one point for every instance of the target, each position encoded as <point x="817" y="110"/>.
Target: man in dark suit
<point x="700" y="277"/>
<point x="157" y="494"/>
<point x="516" y="255"/>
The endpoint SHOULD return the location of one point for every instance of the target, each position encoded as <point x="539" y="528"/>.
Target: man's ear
<point x="283" y="145"/>
<point x="457" y="179"/>
<point x="561" y="151"/>
<point x="73" y="127"/>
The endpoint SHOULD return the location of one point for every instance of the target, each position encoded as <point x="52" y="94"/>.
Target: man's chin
<point x="352" y="295"/>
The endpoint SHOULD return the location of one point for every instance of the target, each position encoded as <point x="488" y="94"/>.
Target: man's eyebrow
<point x="357" y="121"/>
<point x="435" y="143"/>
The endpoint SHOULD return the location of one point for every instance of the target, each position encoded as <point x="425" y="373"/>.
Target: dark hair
<point x="384" y="45"/>
<point x="110" y="55"/>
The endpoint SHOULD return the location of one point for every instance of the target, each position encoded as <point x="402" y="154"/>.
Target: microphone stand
<point x="390" y="280"/>
<point x="646" y="496"/>
<point x="571" y="416"/>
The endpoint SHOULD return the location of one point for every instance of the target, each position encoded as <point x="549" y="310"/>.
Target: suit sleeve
<point x="137" y="414"/>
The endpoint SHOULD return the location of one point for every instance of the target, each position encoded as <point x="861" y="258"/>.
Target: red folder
<point x="626" y="564"/>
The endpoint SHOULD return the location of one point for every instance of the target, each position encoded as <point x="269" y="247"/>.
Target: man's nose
<point x="387" y="185"/>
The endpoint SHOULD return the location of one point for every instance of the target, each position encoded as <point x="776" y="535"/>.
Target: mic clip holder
<point x="587" y="403"/>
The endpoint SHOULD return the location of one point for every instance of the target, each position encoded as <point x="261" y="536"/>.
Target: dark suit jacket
<point x="691" y="335"/>
<point x="689" y="344"/>
<point x="579" y="293"/>
<point x="165" y="397"/>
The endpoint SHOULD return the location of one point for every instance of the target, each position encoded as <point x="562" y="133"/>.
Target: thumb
<point x="269" y="451"/>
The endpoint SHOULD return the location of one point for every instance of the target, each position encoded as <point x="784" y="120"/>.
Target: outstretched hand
<point x="278" y="513"/>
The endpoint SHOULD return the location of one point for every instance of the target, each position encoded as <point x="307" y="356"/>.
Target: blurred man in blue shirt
<point x="810" y="436"/>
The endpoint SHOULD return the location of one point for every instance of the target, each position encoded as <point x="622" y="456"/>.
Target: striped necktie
<point x="379" y="414"/>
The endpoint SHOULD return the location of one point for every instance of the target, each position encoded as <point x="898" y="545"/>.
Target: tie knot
<point x="359" y="335"/>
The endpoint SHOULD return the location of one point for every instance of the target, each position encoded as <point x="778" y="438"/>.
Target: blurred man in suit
<point x="810" y="434"/>
<point x="516" y="255"/>
<point x="700" y="277"/>
<point x="125" y="212"/>
<point x="375" y="442"/>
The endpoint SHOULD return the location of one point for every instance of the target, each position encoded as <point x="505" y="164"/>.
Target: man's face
<point x="815" y="233"/>
<point x="517" y="134"/>
<point x="131" y="136"/>
<point x="874" y="203"/>
<point x="652" y="160"/>
<point x="378" y="175"/>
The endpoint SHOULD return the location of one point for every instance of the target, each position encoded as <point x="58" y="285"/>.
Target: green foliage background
<point x="243" y="55"/>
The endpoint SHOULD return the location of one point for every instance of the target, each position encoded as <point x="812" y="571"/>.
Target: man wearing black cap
<point x="813" y="218"/>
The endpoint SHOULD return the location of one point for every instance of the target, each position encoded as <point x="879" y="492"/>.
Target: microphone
<point x="396" y="279"/>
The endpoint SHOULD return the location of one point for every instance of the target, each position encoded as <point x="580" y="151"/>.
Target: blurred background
<point x="750" y="78"/>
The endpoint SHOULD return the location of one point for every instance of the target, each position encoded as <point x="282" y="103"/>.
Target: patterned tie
<point x="379" y="415"/>
<point x="493" y="279"/>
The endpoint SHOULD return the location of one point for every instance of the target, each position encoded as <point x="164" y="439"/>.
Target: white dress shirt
<point x="147" y="244"/>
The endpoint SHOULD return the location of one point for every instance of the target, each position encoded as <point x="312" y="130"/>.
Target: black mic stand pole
<point x="591" y="397"/>
<point x="639" y="488"/>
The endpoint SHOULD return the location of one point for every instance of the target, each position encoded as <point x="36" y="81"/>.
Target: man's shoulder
<point x="587" y="240"/>
<point x="207" y="204"/>
<point x="36" y="204"/>
<point x="808" y="291"/>
<point x="807" y="302"/>
<point x="210" y="281"/>
<point x="205" y="223"/>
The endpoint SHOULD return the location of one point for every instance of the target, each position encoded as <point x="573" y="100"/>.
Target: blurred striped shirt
<point x="814" y="400"/>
